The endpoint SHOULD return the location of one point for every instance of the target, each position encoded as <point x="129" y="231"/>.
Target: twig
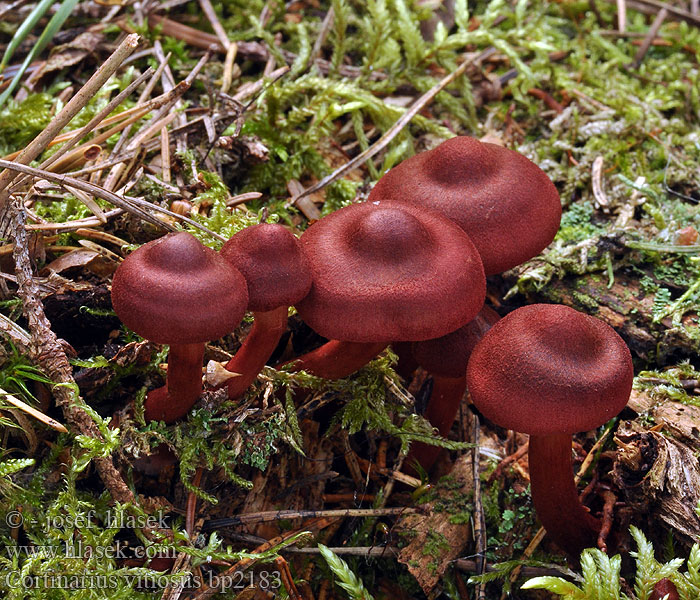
<point x="47" y="352"/>
<point x="220" y="32"/>
<point x="326" y="25"/>
<point x="30" y="410"/>
<point x="147" y="91"/>
<point x="92" y="123"/>
<point x="18" y="336"/>
<point x="470" y="566"/>
<point x="246" y="563"/>
<point x="654" y="6"/>
<point x="192" y="503"/>
<point x="66" y="180"/>
<point x="74" y="225"/>
<point x="479" y="520"/>
<point x="511" y="458"/>
<point x="74" y="105"/>
<point x="609" y="500"/>
<point x="250" y="89"/>
<point x="394" y="130"/>
<point x="287" y="579"/>
<point x="594" y="8"/>
<point x="621" y="15"/>
<point x="280" y="515"/>
<point x="132" y="205"/>
<point x="653" y="30"/>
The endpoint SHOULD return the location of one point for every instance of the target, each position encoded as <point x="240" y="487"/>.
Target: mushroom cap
<point x="504" y="202"/>
<point x="390" y="273"/>
<point x="447" y="356"/>
<point x="270" y="258"/>
<point x="547" y="368"/>
<point x="174" y="290"/>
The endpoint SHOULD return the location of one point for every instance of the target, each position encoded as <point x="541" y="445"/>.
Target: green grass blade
<point x="23" y="31"/>
<point x="51" y="29"/>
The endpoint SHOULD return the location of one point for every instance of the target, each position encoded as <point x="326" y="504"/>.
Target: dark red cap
<point x="270" y="258"/>
<point x="546" y="369"/>
<point x="448" y="355"/>
<point x="398" y="273"/>
<point x="506" y="204"/>
<point x="175" y="290"/>
<point x="664" y="588"/>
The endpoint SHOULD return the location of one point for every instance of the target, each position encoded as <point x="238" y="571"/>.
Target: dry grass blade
<point x="215" y="24"/>
<point x="135" y="206"/>
<point x="95" y="190"/>
<point x="394" y="130"/>
<point x="81" y="133"/>
<point x="74" y="105"/>
<point x="37" y="414"/>
<point x="646" y="44"/>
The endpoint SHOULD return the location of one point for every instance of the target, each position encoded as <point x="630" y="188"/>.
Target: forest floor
<point x="257" y="110"/>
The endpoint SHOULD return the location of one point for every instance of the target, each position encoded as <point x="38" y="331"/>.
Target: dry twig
<point x="47" y="352"/>
<point x="396" y="128"/>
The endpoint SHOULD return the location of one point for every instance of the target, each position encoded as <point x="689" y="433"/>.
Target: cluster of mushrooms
<point x="406" y="267"/>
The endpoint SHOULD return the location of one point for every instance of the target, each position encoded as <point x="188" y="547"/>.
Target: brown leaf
<point x="436" y="540"/>
<point x="73" y="52"/>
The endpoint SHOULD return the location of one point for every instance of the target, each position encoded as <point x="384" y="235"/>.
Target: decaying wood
<point x="626" y="307"/>
<point x="660" y="477"/>
<point x="423" y="531"/>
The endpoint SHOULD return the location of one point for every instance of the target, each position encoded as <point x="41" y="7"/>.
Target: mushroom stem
<point x="337" y="359"/>
<point x="442" y="409"/>
<point x="182" y="387"/>
<point x="555" y="496"/>
<point x="407" y="364"/>
<point x="256" y="350"/>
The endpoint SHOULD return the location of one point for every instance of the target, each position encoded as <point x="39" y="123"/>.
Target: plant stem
<point x="555" y="496"/>
<point x="183" y="385"/>
<point x="256" y="350"/>
<point x="336" y="359"/>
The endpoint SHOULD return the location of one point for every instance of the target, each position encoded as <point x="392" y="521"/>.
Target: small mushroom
<point x="446" y="358"/>
<point x="664" y="589"/>
<point x="385" y="273"/>
<point x="176" y="291"/>
<point x="551" y="371"/>
<point x="503" y="201"/>
<point x="278" y="276"/>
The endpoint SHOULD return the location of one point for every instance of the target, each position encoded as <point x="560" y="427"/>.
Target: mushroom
<point x="385" y="273"/>
<point x="278" y="276"/>
<point x="445" y="358"/>
<point x="176" y="291"/>
<point x="664" y="589"/>
<point x="551" y="371"/>
<point x="503" y="201"/>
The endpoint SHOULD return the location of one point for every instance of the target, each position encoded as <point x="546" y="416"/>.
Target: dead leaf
<point x="660" y="477"/>
<point x="439" y="538"/>
<point x="73" y="52"/>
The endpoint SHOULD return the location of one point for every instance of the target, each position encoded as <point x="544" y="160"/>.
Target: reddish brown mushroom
<point x="385" y="273"/>
<point x="446" y="358"/>
<point x="551" y="371"/>
<point x="278" y="276"/>
<point x="664" y="589"/>
<point x="176" y="291"/>
<point x="502" y="200"/>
